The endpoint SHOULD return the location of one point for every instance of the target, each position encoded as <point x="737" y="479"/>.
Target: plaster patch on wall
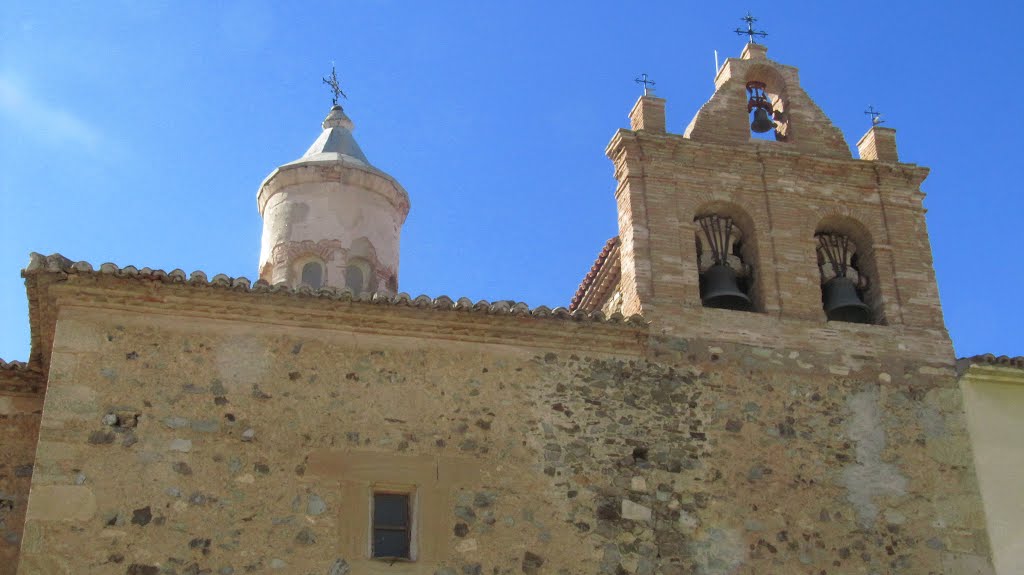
<point x="71" y="402"/>
<point x="241" y="361"/>
<point x="932" y="421"/>
<point x="719" y="551"/>
<point x="296" y="213"/>
<point x="868" y="477"/>
<point x="62" y="503"/>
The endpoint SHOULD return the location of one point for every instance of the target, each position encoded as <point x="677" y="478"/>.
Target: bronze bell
<point x="842" y="303"/>
<point x="720" y="289"/>
<point x="762" y="123"/>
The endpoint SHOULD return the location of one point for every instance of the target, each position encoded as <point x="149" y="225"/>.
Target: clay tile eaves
<point x="998" y="361"/>
<point x="58" y="264"/>
<point x="13" y="365"/>
<point x="595" y="270"/>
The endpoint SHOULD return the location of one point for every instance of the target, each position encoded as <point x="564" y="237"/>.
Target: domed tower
<point x="330" y="218"/>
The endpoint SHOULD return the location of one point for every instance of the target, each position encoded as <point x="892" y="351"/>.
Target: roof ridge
<point x="13" y="365"/>
<point x="595" y="269"/>
<point x="57" y="263"/>
<point x="992" y="359"/>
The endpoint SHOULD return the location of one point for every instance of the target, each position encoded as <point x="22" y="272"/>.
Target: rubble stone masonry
<point x="200" y="429"/>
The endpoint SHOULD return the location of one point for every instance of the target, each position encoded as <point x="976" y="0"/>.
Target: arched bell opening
<point x="849" y="281"/>
<point x="767" y="104"/>
<point x="724" y="257"/>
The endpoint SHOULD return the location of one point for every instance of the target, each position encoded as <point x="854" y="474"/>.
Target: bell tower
<point x="330" y="218"/>
<point x="756" y="225"/>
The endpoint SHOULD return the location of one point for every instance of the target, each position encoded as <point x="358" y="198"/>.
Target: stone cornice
<point x="899" y="182"/>
<point x="348" y="173"/>
<point x="989" y="373"/>
<point x="54" y="282"/>
<point x="992" y="369"/>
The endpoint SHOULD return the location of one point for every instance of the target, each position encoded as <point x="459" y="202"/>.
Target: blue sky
<point x="138" y="132"/>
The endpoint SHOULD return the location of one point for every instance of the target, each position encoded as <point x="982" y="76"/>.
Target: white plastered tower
<point x="330" y="218"/>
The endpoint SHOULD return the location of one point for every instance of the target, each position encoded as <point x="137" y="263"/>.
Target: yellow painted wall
<point x="994" y="400"/>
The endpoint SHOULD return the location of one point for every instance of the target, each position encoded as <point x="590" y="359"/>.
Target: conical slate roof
<point x="335" y="142"/>
<point x="336" y="149"/>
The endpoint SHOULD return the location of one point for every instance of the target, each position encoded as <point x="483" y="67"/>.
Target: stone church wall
<point x="187" y="445"/>
<point x="20" y="409"/>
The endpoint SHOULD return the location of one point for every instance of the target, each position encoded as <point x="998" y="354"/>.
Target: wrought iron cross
<point x="750" y="32"/>
<point x="332" y="81"/>
<point x="876" y="116"/>
<point x="642" y="79"/>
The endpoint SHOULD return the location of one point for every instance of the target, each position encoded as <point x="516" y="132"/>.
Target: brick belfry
<point x="779" y="195"/>
<point x="801" y="216"/>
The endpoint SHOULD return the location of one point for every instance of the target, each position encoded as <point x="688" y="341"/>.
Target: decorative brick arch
<point x="728" y="203"/>
<point x="381" y="275"/>
<point x="290" y="251"/>
<point x="285" y="255"/>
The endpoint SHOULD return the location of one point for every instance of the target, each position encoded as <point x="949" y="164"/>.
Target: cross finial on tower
<point x="750" y="32"/>
<point x="642" y="79"/>
<point x="332" y="81"/>
<point x="876" y="116"/>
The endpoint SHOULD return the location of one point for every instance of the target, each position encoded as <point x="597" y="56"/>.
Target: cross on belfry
<point x="332" y="81"/>
<point x="642" y="79"/>
<point x="750" y="32"/>
<point x="876" y="116"/>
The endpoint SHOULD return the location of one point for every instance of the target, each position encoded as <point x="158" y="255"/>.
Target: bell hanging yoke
<point x="758" y="103"/>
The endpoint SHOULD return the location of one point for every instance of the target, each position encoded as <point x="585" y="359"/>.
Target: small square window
<point x="392" y="525"/>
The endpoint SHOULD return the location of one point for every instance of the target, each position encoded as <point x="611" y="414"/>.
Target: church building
<point x="754" y="377"/>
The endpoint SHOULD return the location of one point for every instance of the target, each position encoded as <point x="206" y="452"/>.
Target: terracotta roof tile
<point x="1000" y="361"/>
<point x="595" y="270"/>
<point x="56" y="263"/>
<point x="13" y="365"/>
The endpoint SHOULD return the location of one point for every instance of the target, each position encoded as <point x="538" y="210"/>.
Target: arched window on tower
<point x="359" y="276"/>
<point x="846" y="283"/>
<point x="312" y="274"/>
<point x="725" y="278"/>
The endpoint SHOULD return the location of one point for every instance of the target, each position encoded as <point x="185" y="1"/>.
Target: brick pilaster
<point x="648" y="114"/>
<point x="878" y="144"/>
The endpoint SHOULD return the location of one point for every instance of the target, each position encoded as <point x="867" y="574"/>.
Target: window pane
<point x="388" y="543"/>
<point x="354" y="279"/>
<point x="312" y="275"/>
<point x="391" y="510"/>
